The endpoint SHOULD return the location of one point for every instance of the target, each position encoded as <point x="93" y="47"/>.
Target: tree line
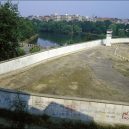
<point x="84" y="27"/>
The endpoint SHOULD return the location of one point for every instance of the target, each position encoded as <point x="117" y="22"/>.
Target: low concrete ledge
<point x="24" y="61"/>
<point x="64" y="97"/>
<point x="28" y="60"/>
<point x="119" y="40"/>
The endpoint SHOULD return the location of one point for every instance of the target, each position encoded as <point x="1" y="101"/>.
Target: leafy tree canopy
<point x="9" y="36"/>
<point x="13" y="29"/>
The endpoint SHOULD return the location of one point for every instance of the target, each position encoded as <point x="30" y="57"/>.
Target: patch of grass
<point x="34" y="49"/>
<point x="122" y="69"/>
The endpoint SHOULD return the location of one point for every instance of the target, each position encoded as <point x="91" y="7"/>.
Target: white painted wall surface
<point x="22" y="62"/>
<point x="120" y="40"/>
<point x="79" y="109"/>
<point x="28" y="60"/>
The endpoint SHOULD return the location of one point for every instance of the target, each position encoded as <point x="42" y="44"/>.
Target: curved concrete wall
<point x="120" y="40"/>
<point x="28" y="60"/>
<point x="71" y="108"/>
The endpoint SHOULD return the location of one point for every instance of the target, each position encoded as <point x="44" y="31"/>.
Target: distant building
<point x="67" y="17"/>
<point x="114" y="20"/>
<point x="31" y="17"/>
<point x="46" y="18"/>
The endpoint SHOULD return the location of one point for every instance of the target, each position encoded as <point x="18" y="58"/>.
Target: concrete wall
<point x="120" y="40"/>
<point x="71" y="108"/>
<point x="28" y="60"/>
<point x="22" y="62"/>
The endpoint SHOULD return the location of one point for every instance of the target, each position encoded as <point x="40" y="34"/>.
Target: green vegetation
<point x="120" y="30"/>
<point x="34" y="49"/>
<point x="122" y="67"/>
<point x="75" y="27"/>
<point x="98" y="28"/>
<point x="9" y="23"/>
<point x="27" y="29"/>
<point x="14" y="29"/>
<point x="20" y="51"/>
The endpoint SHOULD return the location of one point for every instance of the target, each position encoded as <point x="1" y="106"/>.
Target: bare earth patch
<point x="96" y="73"/>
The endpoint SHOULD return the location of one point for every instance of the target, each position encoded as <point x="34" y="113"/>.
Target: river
<point x="52" y="39"/>
<point x="55" y="40"/>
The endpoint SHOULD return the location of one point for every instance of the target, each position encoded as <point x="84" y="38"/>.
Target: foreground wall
<point x="22" y="62"/>
<point x="70" y="108"/>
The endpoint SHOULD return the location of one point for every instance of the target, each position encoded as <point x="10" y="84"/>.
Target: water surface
<point x="55" y="40"/>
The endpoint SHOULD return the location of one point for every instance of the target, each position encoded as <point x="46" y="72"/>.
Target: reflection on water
<point x="46" y="43"/>
<point x="54" y="40"/>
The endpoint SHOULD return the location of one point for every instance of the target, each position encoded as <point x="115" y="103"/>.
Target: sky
<point x="118" y="9"/>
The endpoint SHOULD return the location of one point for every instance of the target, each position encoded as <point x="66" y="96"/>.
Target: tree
<point x="26" y="29"/>
<point x="127" y="30"/>
<point x="76" y="29"/>
<point x="121" y="33"/>
<point x="9" y="35"/>
<point x="107" y="23"/>
<point x="113" y="27"/>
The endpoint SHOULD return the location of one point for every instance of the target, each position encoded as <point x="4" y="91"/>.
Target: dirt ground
<point x="97" y="73"/>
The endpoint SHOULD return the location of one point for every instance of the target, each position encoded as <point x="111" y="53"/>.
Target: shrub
<point x="34" y="49"/>
<point x="20" y="52"/>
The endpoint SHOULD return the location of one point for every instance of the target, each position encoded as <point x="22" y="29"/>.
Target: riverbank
<point x="27" y="41"/>
<point x="27" y="44"/>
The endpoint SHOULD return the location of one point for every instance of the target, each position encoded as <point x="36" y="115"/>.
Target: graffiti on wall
<point x="125" y="115"/>
<point x="67" y="109"/>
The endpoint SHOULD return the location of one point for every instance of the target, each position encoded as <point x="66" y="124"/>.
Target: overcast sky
<point x="119" y="9"/>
